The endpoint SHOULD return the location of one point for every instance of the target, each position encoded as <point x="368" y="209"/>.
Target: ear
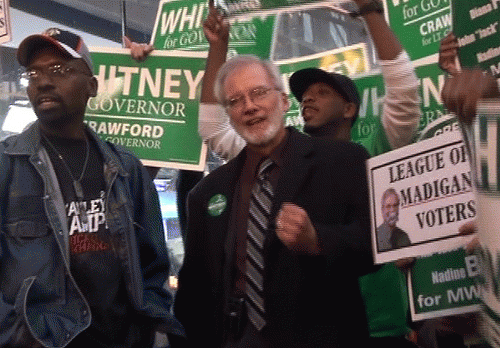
<point x="92" y="87"/>
<point x="349" y="110"/>
<point x="286" y="102"/>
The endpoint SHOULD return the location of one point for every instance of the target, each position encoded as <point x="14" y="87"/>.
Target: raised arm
<point x="401" y="109"/>
<point x="216" y="30"/>
<point x="386" y="43"/>
<point x="213" y="122"/>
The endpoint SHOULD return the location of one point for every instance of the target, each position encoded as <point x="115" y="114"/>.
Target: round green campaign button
<point x="217" y="204"/>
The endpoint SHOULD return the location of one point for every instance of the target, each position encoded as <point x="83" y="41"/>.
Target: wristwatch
<point x="372" y="6"/>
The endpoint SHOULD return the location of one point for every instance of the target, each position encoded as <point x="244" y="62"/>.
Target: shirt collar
<point x="276" y="155"/>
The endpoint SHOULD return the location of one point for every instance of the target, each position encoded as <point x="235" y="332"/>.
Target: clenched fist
<point x="295" y="229"/>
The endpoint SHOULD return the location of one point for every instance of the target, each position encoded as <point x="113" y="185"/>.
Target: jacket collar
<point x="298" y="145"/>
<point x="27" y="143"/>
<point x="298" y="157"/>
<point x="297" y="160"/>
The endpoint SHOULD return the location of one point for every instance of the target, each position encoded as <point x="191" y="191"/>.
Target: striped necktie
<point x="260" y="208"/>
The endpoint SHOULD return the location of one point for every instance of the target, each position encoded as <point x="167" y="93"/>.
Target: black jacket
<point x="311" y="301"/>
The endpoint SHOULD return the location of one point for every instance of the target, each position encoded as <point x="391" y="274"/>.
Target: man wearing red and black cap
<point x="83" y="258"/>
<point x="65" y="41"/>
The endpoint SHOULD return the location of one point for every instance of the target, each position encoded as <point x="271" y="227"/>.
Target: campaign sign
<point x="444" y="284"/>
<point x="420" y="195"/>
<point x="179" y="26"/>
<point x="483" y="139"/>
<point x="431" y="83"/>
<point x="420" y="24"/>
<point x="151" y="108"/>
<point x="476" y="26"/>
<point x="250" y="8"/>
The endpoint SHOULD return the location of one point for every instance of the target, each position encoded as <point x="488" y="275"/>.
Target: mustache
<point x="47" y="96"/>
<point x="308" y="106"/>
<point x="393" y="217"/>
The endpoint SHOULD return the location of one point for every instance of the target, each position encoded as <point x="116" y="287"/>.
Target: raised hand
<point x="139" y="51"/>
<point x="448" y="54"/>
<point x="216" y="27"/>
<point x="462" y="91"/>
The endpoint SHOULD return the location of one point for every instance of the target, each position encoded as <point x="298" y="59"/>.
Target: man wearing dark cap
<point x="83" y="258"/>
<point x="333" y="114"/>
<point x="330" y="105"/>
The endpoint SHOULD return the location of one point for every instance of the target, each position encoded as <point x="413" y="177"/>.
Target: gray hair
<point x="242" y="61"/>
<point x="389" y="192"/>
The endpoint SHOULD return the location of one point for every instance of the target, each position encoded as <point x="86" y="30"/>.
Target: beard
<point x="392" y="218"/>
<point x="258" y="137"/>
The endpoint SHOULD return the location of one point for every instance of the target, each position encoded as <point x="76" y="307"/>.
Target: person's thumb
<point x="127" y="43"/>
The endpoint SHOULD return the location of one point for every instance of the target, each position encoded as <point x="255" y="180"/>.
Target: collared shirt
<point x="389" y="238"/>
<point x="242" y="194"/>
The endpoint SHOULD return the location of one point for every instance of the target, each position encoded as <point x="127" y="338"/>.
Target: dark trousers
<point x="251" y="338"/>
<point x="390" y="342"/>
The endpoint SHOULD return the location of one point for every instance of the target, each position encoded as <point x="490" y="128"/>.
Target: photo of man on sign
<point x="389" y="236"/>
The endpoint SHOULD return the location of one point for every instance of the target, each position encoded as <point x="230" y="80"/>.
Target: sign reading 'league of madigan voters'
<point x="425" y="190"/>
<point x="151" y="109"/>
<point x="476" y="26"/>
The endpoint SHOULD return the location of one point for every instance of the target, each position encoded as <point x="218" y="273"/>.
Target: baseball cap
<point x="302" y="79"/>
<point x="65" y="41"/>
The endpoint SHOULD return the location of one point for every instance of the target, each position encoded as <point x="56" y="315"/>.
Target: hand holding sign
<point x="216" y="27"/>
<point x="470" y="228"/>
<point x="139" y="51"/>
<point x="448" y="54"/>
<point x="461" y="92"/>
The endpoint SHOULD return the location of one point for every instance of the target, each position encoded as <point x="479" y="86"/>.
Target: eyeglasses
<point x="256" y="95"/>
<point x="56" y="71"/>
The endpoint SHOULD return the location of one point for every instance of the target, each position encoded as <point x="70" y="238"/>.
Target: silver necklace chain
<point x="76" y="183"/>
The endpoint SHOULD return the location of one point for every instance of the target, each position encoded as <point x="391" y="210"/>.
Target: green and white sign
<point x="443" y="125"/>
<point x="420" y="24"/>
<point x="431" y="83"/>
<point x="372" y="91"/>
<point x="483" y="140"/>
<point x="476" y="26"/>
<point x="444" y="284"/>
<point x="460" y="295"/>
<point x="179" y="26"/>
<point x="258" y="7"/>
<point x="151" y="108"/>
